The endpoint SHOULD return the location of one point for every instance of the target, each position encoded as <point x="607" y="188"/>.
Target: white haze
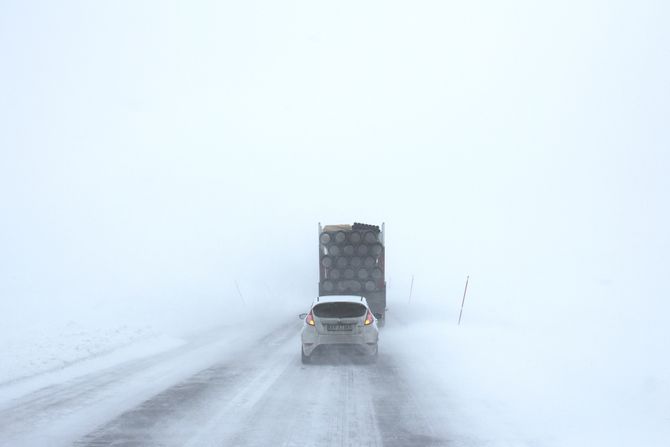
<point x="155" y="154"/>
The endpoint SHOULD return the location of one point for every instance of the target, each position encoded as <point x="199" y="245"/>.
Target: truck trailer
<point x="352" y="262"/>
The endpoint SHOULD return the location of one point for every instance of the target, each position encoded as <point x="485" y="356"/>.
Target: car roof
<point x="341" y="298"/>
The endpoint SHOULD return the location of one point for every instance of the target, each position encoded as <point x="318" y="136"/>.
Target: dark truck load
<point x="351" y="262"/>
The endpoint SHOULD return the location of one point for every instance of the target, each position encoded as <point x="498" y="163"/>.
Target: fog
<point x="154" y="153"/>
<point x="167" y="164"/>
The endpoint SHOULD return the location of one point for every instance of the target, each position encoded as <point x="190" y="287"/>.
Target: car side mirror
<point x="378" y="316"/>
<point x="302" y="316"/>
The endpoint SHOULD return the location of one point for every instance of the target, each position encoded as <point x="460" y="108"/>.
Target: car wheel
<point x="305" y="358"/>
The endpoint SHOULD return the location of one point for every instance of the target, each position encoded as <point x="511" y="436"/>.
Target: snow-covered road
<point x="216" y="390"/>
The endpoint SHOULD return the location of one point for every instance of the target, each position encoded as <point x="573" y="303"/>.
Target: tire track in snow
<point x="267" y="397"/>
<point x="260" y="396"/>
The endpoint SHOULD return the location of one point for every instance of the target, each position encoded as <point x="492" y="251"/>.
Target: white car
<point x="339" y="320"/>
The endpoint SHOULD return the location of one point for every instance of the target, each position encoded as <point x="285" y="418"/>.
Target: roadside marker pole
<point x="411" y="286"/>
<point x="463" y="302"/>
<point x="237" y="286"/>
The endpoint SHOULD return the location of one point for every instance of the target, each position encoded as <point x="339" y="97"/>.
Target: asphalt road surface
<point x="196" y="396"/>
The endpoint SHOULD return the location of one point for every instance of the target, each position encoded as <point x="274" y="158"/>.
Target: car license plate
<point x="339" y="327"/>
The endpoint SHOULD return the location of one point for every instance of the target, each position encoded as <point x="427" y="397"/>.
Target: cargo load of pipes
<point x="351" y="259"/>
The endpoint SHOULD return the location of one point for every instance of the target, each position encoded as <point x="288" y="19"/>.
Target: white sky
<point x="155" y="150"/>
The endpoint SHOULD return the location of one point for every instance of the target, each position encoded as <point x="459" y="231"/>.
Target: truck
<point x="352" y="262"/>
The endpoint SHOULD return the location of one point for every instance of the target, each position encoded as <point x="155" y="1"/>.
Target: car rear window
<point x="339" y="310"/>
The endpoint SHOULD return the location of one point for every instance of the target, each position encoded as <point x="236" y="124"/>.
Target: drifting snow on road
<point x="433" y="384"/>
<point x="260" y="396"/>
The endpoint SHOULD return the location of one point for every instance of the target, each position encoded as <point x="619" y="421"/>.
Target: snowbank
<point x="46" y="348"/>
<point x="562" y="385"/>
<point x="46" y="338"/>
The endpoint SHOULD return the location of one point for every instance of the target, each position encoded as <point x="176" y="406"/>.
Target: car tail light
<point x="369" y="318"/>
<point x="309" y="319"/>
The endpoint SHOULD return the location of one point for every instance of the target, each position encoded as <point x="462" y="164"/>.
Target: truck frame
<point x="352" y="261"/>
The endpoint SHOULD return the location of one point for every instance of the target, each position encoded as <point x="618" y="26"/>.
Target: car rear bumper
<point x="367" y="340"/>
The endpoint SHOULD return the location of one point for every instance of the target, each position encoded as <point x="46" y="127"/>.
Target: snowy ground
<point x="226" y="387"/>
<point x="435" y="384"/>
<point x="44" y="348"/>
<point x="563" y="385"/>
